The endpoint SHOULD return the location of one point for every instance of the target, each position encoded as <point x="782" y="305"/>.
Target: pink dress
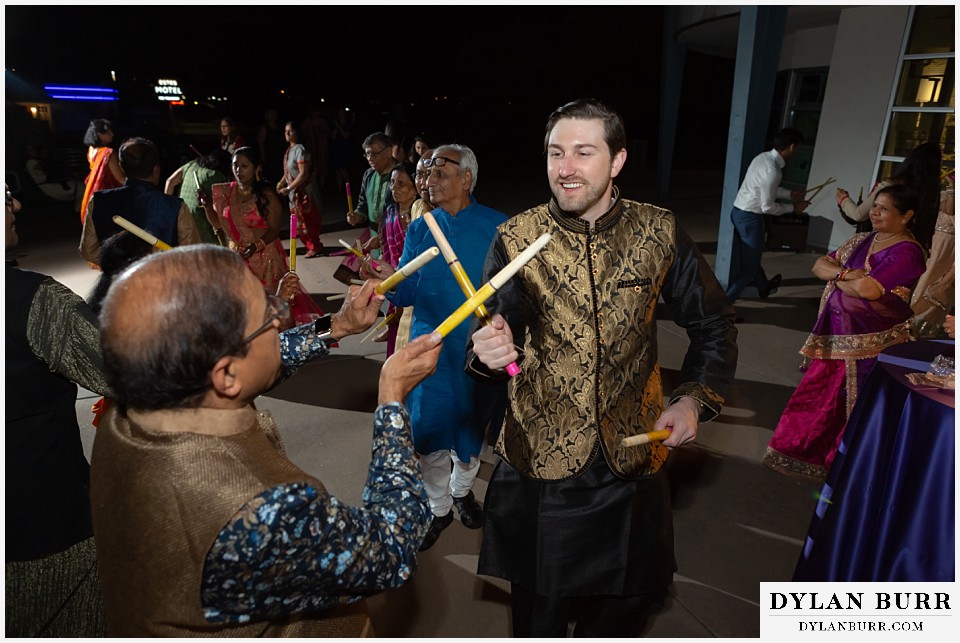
<point x="244" y="225"/>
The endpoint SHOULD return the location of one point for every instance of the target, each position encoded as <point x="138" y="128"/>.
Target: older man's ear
<point x="225" y="379"/>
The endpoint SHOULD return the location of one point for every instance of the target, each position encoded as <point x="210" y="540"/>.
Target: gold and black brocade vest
<point x="590" y="375"/>
<point x="159" y="501"/>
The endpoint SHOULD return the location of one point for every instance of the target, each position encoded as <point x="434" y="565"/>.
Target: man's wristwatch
<point x="321" y="328"/>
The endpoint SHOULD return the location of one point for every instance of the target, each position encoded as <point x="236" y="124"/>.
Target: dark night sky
<point x="501" y="68"/>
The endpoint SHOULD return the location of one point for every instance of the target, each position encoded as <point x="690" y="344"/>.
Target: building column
<point x="758" y="54"/>
<point x="674" y="56"/>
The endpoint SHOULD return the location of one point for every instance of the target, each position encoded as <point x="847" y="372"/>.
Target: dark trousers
<point x="595" y="616"/>
<point x="750" y="233"/>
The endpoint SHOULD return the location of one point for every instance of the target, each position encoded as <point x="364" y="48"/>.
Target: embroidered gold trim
<point x="794" y="468"/>
<point x="854" y="346"/>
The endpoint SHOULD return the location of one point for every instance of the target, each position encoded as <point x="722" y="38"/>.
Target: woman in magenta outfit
<point x="393" y="232"/>
<point x="864" y="309"/>
<point x="248" y="210"/>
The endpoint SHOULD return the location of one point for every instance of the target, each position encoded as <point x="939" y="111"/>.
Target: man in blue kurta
<point x="449" y="411"/>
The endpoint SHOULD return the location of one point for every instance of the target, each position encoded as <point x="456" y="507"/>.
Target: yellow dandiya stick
<point x="293" y="241"/>
<point x="358" y="252"/>
<point x="137" y="231"/>
<point x="461" y="276"/>
<point x="386" y="320"/>
<point x="350" y="248"/>
<point x="644" y="438"/>
<point x="349" y="199"/>
<point x="408" y="270"/>
<point x="496" y="282"/>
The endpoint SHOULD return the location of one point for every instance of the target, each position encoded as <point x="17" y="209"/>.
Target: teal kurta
<point x="448" y="410"/>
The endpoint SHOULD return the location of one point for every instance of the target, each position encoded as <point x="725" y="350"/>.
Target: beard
<point x="585" y="198"/>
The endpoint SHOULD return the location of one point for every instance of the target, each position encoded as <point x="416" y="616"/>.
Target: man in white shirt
<point x="758" y="197"/>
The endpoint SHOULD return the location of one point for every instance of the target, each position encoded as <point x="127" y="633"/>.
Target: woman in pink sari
<point x="105" y="172"/>
<point x="393" y="233"/>
<point x="248" y="211"/>
<point x="864" y="309"/>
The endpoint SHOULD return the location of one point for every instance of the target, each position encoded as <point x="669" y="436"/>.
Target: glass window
<point x="926" y="83"/>
<point x="932" y="31"/>
<point x="909" y="129"/>
<point x="924" y="103"/>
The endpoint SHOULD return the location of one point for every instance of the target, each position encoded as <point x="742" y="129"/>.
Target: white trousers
<point x="446" y="477"/>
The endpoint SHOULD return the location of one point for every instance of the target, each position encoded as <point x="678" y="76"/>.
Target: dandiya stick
<point x="340" y="296"/>
<point x="644" y="438"/>
<point x="137" y="231"/>
<point x="408" y="270"/>
<point x="293" y="241"/>
<point x="349" y="198"/>
<point x="196" y="151"/>
<point x="358" y="252"/>
<point x="820" y="187"/>
<point x="496" y="282"/>
<point x="386" y="320"/>
<point x="461" y="276"/>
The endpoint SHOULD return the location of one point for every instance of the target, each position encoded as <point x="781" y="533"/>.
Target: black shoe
<point x="471" y="513"/>
<point x="772" y="286"/>
<point x="437" y="525"/>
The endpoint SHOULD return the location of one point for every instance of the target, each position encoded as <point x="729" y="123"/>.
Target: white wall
<point x="808" y="48"/>
<point x="862" y="75"/>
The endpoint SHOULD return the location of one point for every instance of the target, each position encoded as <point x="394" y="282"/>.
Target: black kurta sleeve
<point x="698" y="304"/>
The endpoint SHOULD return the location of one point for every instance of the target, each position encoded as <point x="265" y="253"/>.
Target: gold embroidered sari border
<point x="854" y="346"/>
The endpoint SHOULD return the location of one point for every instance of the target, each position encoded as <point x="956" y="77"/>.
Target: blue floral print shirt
<point x="295" y="548"/>
<point x="299" y="345"/>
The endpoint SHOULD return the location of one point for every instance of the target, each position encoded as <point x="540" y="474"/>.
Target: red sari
<point x="100" y="177"/>
<point x="241" y="218"/>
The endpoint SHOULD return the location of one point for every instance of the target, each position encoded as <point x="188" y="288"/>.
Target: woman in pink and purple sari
<point x="864" y="309"/>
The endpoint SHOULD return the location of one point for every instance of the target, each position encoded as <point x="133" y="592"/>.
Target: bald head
<point x="167" y="319"/>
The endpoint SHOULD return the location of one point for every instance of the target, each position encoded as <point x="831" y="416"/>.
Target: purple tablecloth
<point x="886" y="512"/>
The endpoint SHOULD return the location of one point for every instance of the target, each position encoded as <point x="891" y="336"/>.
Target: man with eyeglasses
<point x="374" y="194"/>
<point x="450" y="414"/>
<point x="374" y="197"/>
<point x="423" y="204"/>
<point x="204" y="527"/>
<point x="579" y="522"/>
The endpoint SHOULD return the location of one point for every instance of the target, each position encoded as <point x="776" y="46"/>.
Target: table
<point x="886" y="512"/>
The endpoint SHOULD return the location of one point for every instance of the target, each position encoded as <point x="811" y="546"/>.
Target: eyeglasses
<point x="438" y="161"/>
<point x="276" y="309"/>
<point x="12" y="203"/>
<point x="368" y="154"/>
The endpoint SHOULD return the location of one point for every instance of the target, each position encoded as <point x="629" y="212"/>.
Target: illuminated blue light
<point x="71" y="97"/>
<point x="76" y="88"/>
